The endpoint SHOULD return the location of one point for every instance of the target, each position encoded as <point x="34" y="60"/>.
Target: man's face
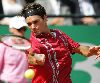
<point x="37" y="24"/>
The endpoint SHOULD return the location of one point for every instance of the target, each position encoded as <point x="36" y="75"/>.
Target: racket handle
<point x="39" y="57"/>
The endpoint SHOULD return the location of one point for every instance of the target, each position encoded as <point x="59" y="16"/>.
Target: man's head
<point x="31" y="9"/>
<point x="36" y="18"/>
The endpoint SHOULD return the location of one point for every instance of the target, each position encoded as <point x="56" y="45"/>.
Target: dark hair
<point x="31" y="9"/>
<point x="29" y="1"/>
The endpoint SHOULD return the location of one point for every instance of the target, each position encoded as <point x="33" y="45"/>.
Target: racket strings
<point x="16" y="42"/>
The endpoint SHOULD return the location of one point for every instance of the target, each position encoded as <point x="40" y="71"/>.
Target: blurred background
<point x="80" y="19"/>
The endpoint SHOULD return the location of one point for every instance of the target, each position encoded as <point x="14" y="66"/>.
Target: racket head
<point x="15" y="41"/>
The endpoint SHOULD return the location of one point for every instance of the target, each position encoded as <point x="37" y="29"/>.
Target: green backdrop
<point x="85" y="70"/>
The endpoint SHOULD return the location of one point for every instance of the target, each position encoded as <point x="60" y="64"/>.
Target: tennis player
<point x="13" y="62"/>
<point x="55" y="45"/>
<point x="17" y="25"/>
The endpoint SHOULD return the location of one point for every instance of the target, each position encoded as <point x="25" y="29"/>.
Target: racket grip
<point x="39" y="57"/>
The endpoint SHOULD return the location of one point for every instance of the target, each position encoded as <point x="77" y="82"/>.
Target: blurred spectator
<point x="9" y="7"/>
<point x="63" y="10"/>
<point x="13" y="62"/>
<point x="53" y="8"/>
<point x="17" y="25"/>
<point x="85" y="8"/>
<point x="96" y="4"/>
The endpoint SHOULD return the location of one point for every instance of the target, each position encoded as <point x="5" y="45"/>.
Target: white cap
<point x="17" y="22"/>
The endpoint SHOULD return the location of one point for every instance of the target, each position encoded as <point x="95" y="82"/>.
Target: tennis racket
<point x="15" y="41"/>
<point x="20" y="43"/>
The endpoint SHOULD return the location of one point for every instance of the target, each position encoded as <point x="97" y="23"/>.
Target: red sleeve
<point x="71" y="43"/>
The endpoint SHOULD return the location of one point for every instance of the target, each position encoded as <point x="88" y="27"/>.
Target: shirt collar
<point x="45" y="35"/>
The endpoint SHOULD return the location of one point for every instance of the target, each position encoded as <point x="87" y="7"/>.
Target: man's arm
<point x="88" y="51"/>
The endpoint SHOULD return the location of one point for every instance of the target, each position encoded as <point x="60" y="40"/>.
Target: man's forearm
<point x="83" y="50"/>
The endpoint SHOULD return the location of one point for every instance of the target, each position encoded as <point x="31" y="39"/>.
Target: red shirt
<point x="57" y="48"/>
